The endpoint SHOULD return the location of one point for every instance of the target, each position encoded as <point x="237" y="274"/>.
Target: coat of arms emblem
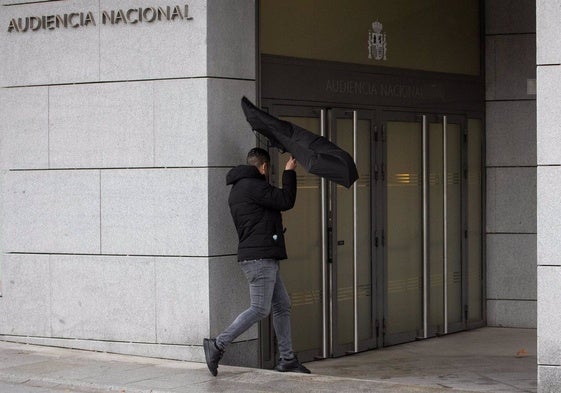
<point x="377" y="42"/>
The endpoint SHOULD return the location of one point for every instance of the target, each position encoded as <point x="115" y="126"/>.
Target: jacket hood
<point x="243" y="172"/>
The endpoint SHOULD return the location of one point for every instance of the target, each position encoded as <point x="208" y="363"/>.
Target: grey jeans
<point x="266" y="291"/>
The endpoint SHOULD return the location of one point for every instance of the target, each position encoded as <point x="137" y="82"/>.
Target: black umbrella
<point x="316" y="153"/>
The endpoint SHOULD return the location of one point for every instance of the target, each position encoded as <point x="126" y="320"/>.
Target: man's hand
<point x="290" y="164"/>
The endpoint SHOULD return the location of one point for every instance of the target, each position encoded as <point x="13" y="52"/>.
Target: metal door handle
<point x="325" y="257"/>
<point x="355" y="233"/>
<point x="445" y="218"/>
<point x="425" y="228"/>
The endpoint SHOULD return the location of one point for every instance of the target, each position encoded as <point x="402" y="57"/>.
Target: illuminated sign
<point x="111" y="17"/>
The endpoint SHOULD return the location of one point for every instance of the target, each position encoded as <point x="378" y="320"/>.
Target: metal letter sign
<point x="377" y="42"/>
<point x="111" y="17"/>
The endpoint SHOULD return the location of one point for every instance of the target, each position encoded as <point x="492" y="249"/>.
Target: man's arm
<point x="281" y="198"/>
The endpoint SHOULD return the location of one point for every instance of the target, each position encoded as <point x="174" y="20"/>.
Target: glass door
<point x="425" y="271"/>
<point x="352" y="263"/>
<point x="396" y="257"/>
<point x="329" y="273"/>
<point x="403" y="236"/>
<point x="446" y="220"/>
<point x="304" y="272"/>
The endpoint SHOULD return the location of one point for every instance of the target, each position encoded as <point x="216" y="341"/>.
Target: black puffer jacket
<point x="256" y="209"/>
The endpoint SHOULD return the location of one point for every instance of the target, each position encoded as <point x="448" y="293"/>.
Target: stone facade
<point x="549" y="186"/>
<point x="510" y="36"/>
<point x="116" y="138"/>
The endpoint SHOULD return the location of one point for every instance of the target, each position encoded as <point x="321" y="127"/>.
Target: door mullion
<point x="425" y="224"/>
<point x="355" y="235"/>
<point x="445" y="221"/>
<point x="324" y="252"/>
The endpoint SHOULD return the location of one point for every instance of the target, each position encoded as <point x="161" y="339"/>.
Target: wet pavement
<point x="483" y="360"/>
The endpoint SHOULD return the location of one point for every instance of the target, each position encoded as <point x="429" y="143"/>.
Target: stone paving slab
<point x="485" y="360"/>
<point x="491" y="360"/>
<point x="54" y="370"/>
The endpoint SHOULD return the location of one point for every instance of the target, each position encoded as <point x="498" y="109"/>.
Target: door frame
<point x="268" y="347"/>
<point x="338" y="349"/>
<point x="378" y="140"/>
<point x="427" y="330"/>
<point x="409" y="335"/>
<point x="330" y="346"/>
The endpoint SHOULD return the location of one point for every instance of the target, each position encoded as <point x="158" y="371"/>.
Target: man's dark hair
<point x="257" y="157"/>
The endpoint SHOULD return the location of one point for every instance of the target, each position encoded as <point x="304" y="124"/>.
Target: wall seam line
<point x="131" y="81"/>
<point x="50" y="297"/>
<point x="49" y="127"/>
<point x="100" y="214"/>
<point x="143" y="168"/>
<point x="119" y="255"/>
<point x="509" y="34"/>
<point x="155" y="302"/>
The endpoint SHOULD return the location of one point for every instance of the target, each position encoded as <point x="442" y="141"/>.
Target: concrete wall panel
<point x="122" y="135"/>
<point x="26" y="295"/>
<point x="512" y="313"/>
<point x="182" y="300"/>
<point x="180" y="122"/>
<point x="229" y="295"/>
<point x="17" y="2"/>
<point x="155" y="212"/>
<point x="103" y="298"/>
<point x="511" y="266"/>
<point x="51" y="212"/>
<point x="508" y="71"/>
<point x="510" y="16"/>
<point x="62" y="55"/>
<point x="549" y="116"/>
<point x="223" y="238"/>
<point x="511" y="200"/>
<point x="548" y="379"/>
<point x="101" y="125"/>
<point x="119" y="51"/>
<point x="24" y="141"/>
<point x="548" y="14"/>
<point x="511" y="133"/>
<point x="229" y="134"/>
<point x="548" y="217"/>
<point x="139" y="124"/>
<point x="180" y="352"/>
<point x="161" y="49"/>
<point x="243" y="354"/>
<point x="231" y="38"/>
<point x="490" y="68"/>
<point x="510" y="78"/>
<point x="548" y="187"/>
<point x="549" y="318"/>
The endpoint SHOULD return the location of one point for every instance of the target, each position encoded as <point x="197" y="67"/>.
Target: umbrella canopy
<point x="315" y="153"/>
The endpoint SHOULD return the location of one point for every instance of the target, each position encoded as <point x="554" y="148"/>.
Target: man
<point x="256" y="209"/>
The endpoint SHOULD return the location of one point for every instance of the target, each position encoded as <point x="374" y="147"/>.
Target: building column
<point x="119" y="124"/>
<point x="510" y="163"/>
<point x="548" y="191"/>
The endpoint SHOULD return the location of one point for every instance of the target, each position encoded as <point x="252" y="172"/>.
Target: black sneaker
<point x="213" y="354"/>
<point x="291" y="366"/>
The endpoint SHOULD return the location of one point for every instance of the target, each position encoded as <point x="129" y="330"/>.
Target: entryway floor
<point x="482" y="360"/>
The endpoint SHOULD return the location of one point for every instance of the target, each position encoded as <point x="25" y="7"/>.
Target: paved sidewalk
<point x="484" y="360"/>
